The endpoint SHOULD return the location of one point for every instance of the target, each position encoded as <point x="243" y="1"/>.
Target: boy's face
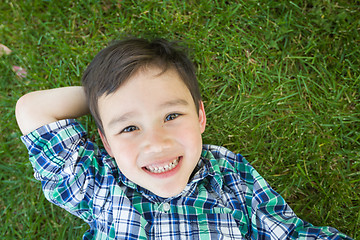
<point x="153" y="130"/>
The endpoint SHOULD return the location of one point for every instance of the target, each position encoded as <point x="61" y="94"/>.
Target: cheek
<point x="190" y="135"/>
<point x="125" y="152"/>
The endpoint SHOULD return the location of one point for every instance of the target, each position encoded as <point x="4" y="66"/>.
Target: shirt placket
<point x="162" y="224"/>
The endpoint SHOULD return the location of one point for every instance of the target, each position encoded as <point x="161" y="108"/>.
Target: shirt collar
<point x="213" y="171"/>
<point x="111" y="163"/>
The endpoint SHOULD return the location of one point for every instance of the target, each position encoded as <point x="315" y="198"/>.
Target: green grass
<point x="280" y="82"/>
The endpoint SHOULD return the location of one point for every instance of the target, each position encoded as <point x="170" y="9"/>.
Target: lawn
<point x="280" y="82"/>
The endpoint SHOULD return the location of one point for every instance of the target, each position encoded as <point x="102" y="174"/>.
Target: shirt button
<point x="166" y="207"/>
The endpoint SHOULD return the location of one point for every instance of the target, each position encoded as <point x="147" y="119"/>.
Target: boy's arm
<point x="39" y="108"/>
<point x="69" y="166"/>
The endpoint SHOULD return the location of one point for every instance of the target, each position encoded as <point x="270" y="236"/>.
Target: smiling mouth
<point x="166" y="168"/>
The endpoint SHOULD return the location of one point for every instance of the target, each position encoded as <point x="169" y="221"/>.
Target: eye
<point x="129" y="129"/>
<point x="172" y="116"/>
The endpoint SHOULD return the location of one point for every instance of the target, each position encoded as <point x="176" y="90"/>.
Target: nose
<point x="157" y="140"/>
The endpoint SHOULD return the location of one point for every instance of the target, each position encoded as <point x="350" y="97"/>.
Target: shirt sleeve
<point x="272" y="218"/>
<point x="68" y="166"/>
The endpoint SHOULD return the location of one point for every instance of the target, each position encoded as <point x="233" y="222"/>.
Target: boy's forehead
<point x="140" y="90"/>
<point x="148" y="92"/>
<point x="148" y="72"/>
<point x="153" y="81"/>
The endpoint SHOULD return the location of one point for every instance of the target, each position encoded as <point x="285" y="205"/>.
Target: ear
<point x="202" y="116"/>
<point x="106" y="143"/>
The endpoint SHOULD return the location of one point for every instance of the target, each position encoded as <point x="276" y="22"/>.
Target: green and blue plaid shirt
<point x="226" y="198"/>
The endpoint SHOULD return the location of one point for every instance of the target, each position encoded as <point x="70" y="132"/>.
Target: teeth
<point x="165" y="168"/>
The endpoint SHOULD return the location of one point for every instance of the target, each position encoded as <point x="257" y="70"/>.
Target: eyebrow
<point x="174" y="102"/>
<point x="122" y="118"/>
<point x="131" y="114"/>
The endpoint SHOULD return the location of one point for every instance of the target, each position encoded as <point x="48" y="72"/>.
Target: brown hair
<point x="113" y="65"/>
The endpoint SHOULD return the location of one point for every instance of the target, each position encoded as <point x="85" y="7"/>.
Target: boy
<point x="156" y="180"/>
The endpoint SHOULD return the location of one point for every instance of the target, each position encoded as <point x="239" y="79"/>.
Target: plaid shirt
<point x="225" y="198"/>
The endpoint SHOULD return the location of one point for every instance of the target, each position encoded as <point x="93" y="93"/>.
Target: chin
<point x="168" y="194"/>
